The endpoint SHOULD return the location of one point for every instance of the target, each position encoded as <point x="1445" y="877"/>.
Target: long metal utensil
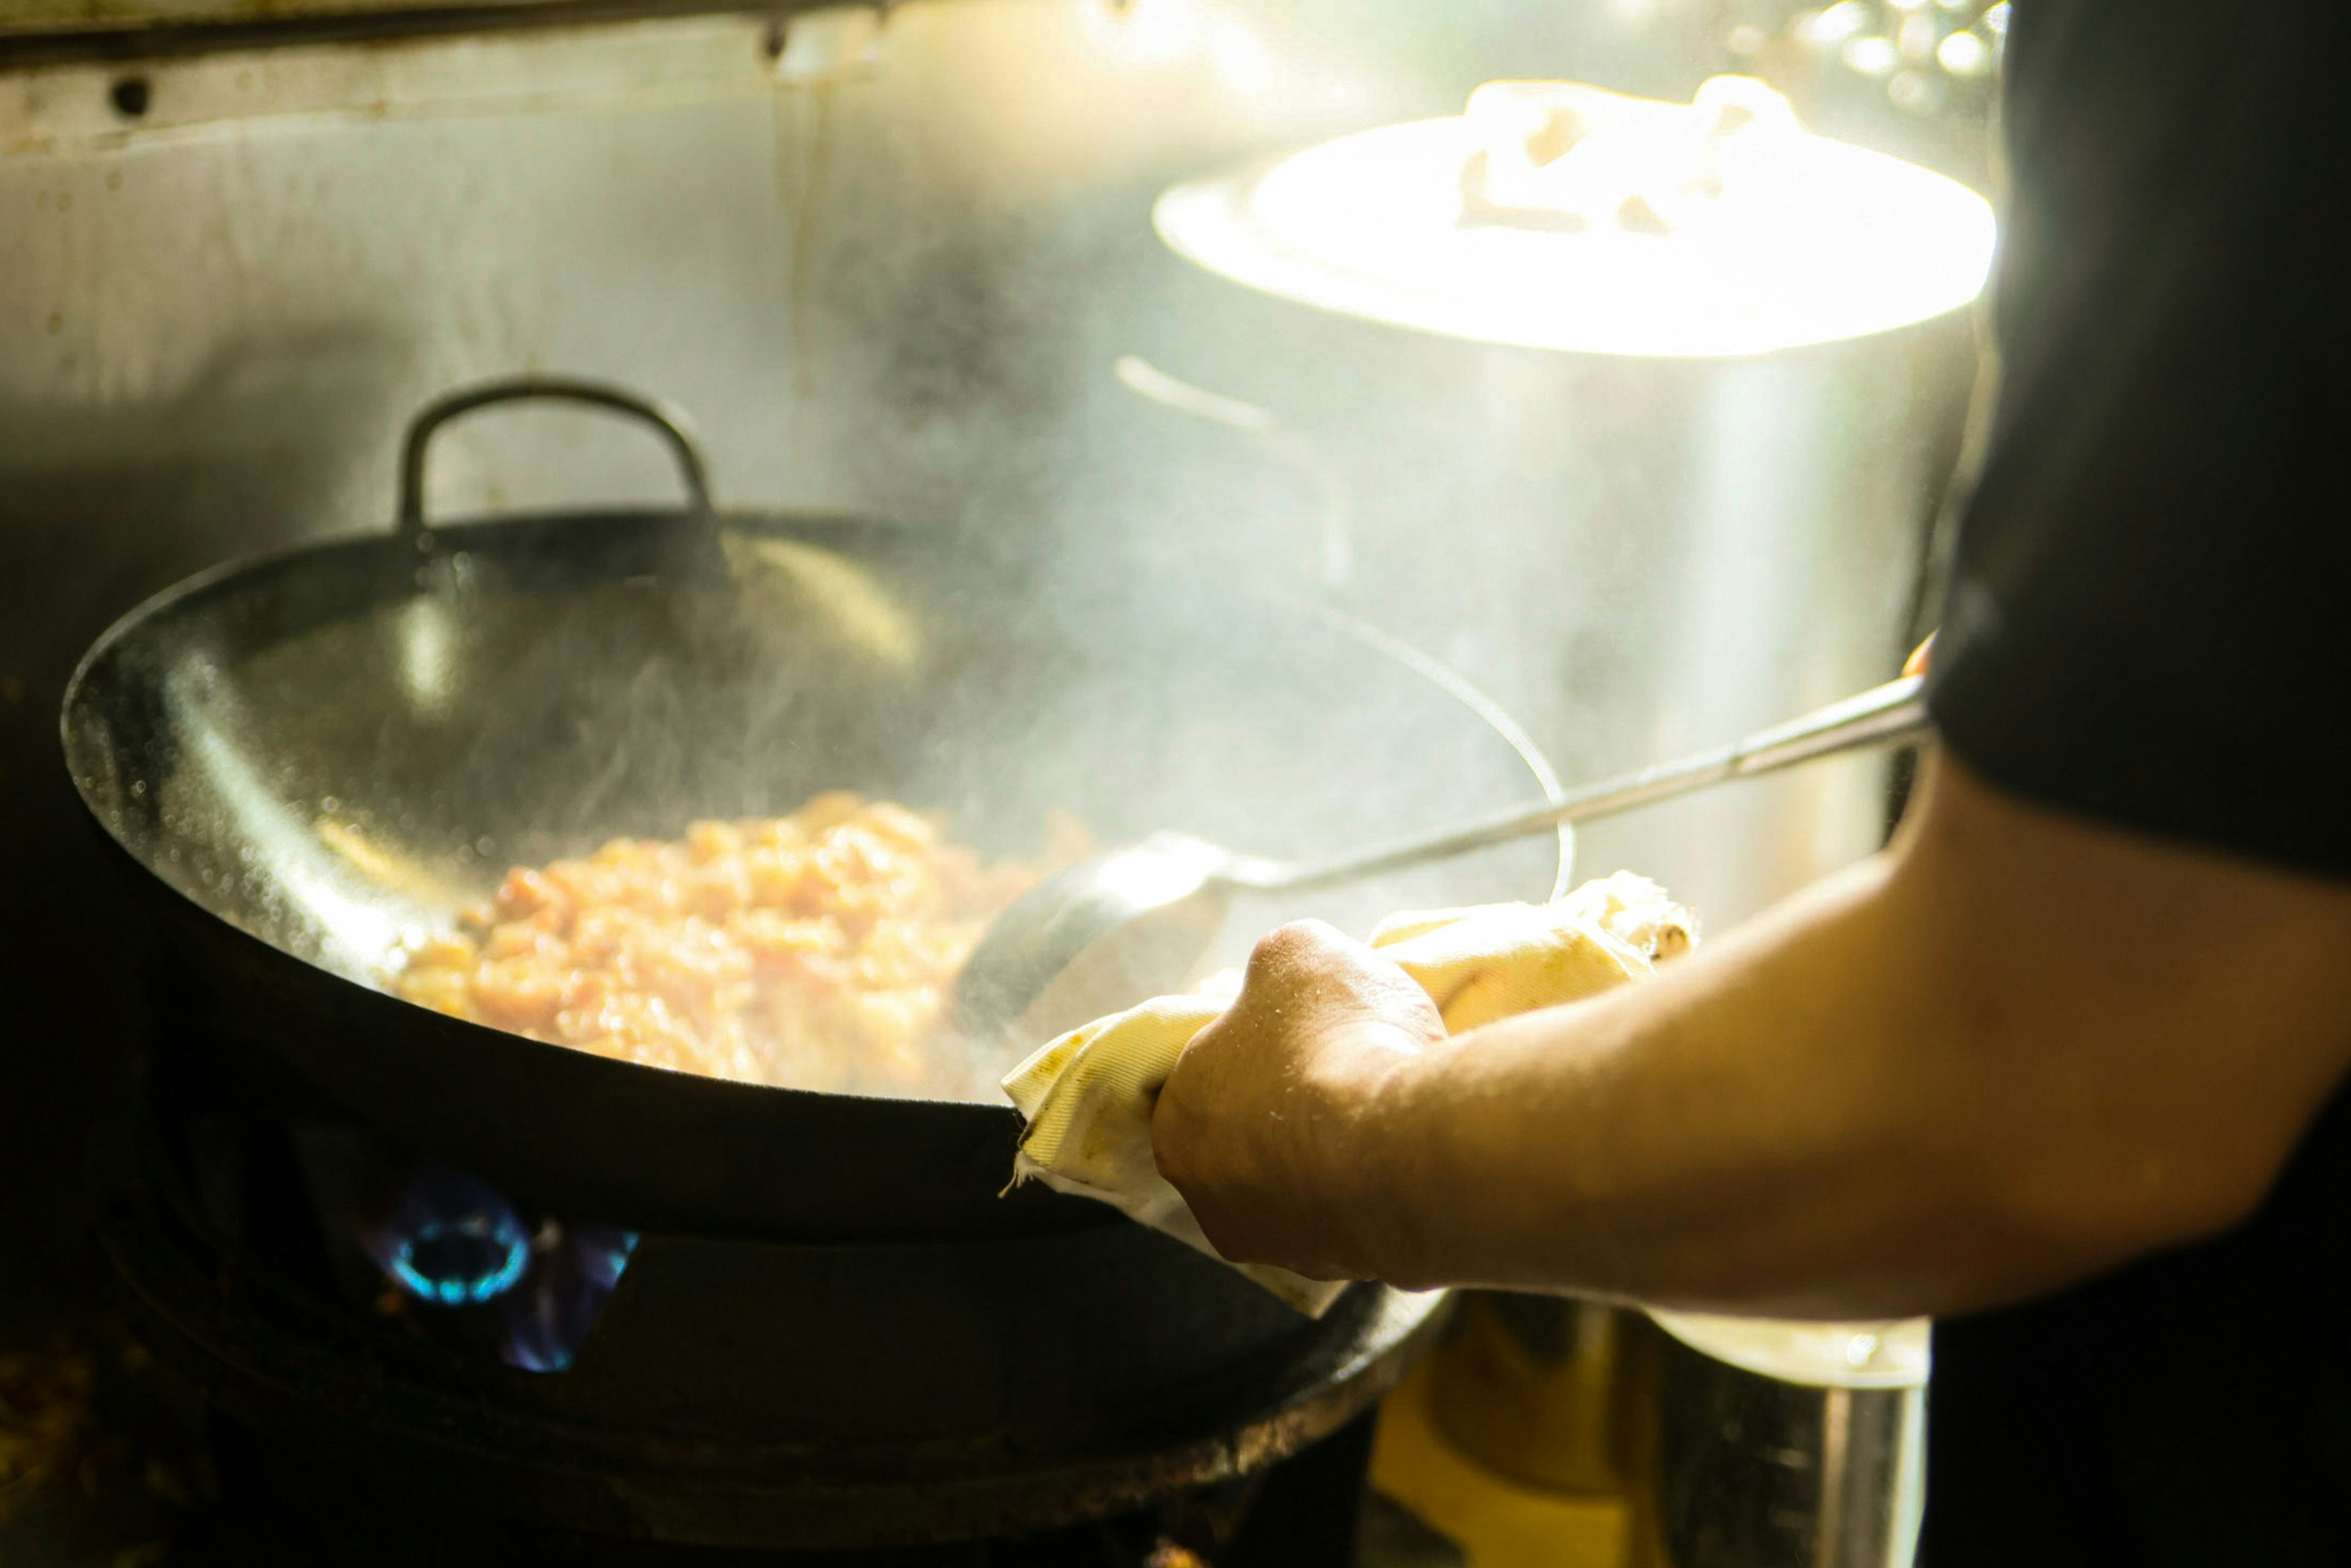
<point x="1130" y="923"/>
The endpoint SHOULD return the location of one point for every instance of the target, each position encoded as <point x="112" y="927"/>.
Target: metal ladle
<point x="1131" y="923"/>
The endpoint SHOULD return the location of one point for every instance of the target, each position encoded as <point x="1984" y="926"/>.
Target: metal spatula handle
<point x="1892" y="714"/>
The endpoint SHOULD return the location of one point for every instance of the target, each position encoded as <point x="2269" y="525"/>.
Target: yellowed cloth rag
<point x="1088" y="1095"/>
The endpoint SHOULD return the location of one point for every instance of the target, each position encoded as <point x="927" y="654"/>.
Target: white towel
<point x="1088" y="1096"/>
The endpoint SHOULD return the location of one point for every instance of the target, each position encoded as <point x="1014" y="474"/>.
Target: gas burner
<point x="418" y="1367"/>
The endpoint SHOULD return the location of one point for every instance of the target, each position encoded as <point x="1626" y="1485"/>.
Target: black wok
<point x="316" y="754"/>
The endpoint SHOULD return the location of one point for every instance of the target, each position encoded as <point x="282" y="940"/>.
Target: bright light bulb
<point x="1964" y="55"/>
<point x="1827" y="29"/>
<point x="1873" y="57"/>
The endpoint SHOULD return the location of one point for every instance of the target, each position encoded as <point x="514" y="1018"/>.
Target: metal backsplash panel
<point x="882" y="267"/>
<point x="888" y="267"/>
<point x="74" y="15"/>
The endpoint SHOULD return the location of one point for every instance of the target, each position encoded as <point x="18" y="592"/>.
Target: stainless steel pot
<point x="1785" y="1445"/>
<point x="1685" y="534"/>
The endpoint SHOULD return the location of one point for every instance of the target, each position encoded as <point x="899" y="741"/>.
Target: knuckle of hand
<point x="1287" y="944"/>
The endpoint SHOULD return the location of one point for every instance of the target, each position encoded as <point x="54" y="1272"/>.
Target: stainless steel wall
<point x="889" y="268"/>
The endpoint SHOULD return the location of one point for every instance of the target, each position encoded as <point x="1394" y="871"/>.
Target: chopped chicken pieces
<point x="816" y="950"/>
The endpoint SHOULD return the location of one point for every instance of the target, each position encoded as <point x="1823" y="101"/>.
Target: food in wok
<point x="816" y="950"/>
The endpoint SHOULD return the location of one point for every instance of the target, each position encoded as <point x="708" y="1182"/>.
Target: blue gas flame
<point x="548" y="1319"/>
<point x="452" y="1240"/>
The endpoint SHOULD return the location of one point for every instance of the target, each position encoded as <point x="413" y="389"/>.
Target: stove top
<point x="392" y="1359"/>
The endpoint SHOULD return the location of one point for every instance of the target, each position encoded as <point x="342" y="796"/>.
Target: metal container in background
<point x="1634" y="556"/>
<point x="1643" y="485"/>
<point x="1784" y="1446"/>
<point x="1632" y="533"/>
<point x="1734" y="1443"/>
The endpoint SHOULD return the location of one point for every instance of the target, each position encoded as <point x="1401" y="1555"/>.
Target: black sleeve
<point x="2150" y="612"/>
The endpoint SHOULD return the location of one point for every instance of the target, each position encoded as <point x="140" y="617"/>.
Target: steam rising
<point x="1119" y="476"/>
<point x="762" y="666"/>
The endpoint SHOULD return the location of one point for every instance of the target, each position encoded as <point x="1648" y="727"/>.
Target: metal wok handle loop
<point x="667" y="421"/>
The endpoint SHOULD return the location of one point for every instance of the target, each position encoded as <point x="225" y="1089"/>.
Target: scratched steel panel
<point x="68" y="16"/>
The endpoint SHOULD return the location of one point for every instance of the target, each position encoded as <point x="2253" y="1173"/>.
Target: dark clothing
<point x="2151" y="616"/>
<point x="2150" y="624"/>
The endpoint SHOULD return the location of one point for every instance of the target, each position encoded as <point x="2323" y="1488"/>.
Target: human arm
<point x="2014" y="1049"/>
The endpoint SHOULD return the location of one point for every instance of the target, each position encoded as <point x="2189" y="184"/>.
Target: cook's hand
<point x="1261" y="1125"/>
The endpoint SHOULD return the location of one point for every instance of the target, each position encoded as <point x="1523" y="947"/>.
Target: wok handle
<point x="668" y="423"/>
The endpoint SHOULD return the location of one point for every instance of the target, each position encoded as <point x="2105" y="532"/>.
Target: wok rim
<point x="469" y="532"/>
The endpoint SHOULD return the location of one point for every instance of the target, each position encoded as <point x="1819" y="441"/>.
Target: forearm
<point x="1733" y="1134"/>
<point x="1978" y="1066"/>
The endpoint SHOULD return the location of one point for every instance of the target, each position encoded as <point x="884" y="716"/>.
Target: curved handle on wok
<point x="667" y="421"/>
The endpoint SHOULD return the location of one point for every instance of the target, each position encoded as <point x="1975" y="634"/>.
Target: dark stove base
<point x="289" y="1508"/>
<point x="345" y="1436"/>
<point x="340" y="1427"/>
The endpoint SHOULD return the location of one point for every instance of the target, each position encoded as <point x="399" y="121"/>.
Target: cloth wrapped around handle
<point x="1088" y="1095"/>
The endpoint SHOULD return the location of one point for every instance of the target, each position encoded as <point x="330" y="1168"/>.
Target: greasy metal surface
<point x="378" y="1415"/>
<point x="53" y="31"/>
<point x="55" y="16"/>
<point x="325" y="753"/>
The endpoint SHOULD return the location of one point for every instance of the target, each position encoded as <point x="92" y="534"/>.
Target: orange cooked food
<point x="815" y="950"/>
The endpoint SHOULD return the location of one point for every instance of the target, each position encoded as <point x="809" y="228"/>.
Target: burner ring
<point x="349" y="1426"/>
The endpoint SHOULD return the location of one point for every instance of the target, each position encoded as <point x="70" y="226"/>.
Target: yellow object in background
<point x="1496" y="1522"/>
<point x="1547" y="1391"/>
